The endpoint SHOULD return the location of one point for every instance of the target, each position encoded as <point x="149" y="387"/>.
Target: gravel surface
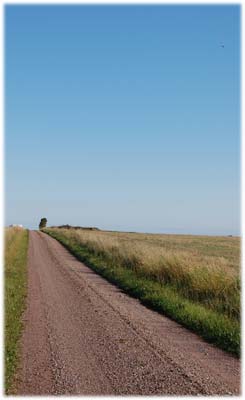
<point x="84" y="336"/>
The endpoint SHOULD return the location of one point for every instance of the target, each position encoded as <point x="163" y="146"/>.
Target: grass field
<point x="15" y="260"/>
<point x="192" y="279"/>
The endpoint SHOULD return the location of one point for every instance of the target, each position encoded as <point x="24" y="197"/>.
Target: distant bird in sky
<point x="222" y="45"/>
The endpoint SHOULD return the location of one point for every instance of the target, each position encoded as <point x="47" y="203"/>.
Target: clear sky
<point x="123" y="117"/>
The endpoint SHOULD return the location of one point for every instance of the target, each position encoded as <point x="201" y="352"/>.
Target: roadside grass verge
<point x="15" y="285"/>
<point x="205" y="316"/>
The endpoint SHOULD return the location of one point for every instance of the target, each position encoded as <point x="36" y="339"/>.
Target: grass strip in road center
<point x="214" y="327"/>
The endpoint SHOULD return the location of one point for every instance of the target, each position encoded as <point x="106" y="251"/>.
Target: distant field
<point x="193" y="279"/>
<point x="15" y="277"/>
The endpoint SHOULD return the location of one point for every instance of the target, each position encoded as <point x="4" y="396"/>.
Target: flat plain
<point x="192" y="279"/>
<point x="122" y="333"/>
<point x="83" y="335"/>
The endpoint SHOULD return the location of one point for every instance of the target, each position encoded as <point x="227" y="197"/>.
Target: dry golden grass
<point x="194" y="280"/>
<point x="202" y="268"/>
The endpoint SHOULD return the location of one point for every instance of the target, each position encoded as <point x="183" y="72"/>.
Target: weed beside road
<point x="15" y="275"/>
<point x="192" y="279"/>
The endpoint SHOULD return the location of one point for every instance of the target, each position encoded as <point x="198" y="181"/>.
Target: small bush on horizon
<point x="43" y="223"/>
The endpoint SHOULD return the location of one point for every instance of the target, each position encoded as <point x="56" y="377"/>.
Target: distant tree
<point x="43" y="223"/>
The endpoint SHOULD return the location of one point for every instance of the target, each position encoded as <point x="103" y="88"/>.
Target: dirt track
<point x="84" y="336"/>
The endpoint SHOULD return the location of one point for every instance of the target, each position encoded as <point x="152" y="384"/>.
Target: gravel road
<point x="84" y="336"/>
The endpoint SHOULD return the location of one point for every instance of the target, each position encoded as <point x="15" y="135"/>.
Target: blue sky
<point x="123" y="117"/>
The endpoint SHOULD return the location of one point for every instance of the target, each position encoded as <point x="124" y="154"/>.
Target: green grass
<point x="15" y="275"/>
<point x="157" y="285"/>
